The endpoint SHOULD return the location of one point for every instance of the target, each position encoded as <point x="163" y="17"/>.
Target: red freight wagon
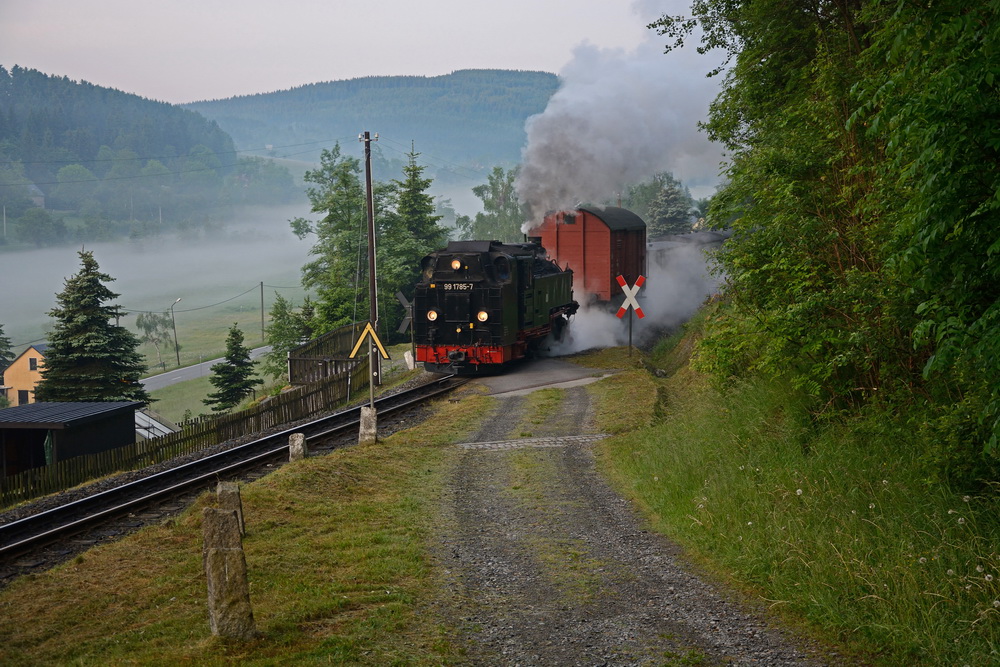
<point x="598" y="244"/>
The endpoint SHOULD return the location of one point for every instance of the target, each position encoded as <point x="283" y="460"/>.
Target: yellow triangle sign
<point x="369" y="330"/>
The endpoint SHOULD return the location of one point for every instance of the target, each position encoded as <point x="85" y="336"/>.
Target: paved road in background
<point x="154" y="382"/>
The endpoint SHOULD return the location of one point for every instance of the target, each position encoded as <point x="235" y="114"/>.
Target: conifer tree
<point x="233" y="378"/>
<point x="89" y="357"/>
<point x="416" y="207"/>
<point x="6" y="353"/>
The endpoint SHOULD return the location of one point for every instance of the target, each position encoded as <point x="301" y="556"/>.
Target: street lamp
<point x="173" y="320"/>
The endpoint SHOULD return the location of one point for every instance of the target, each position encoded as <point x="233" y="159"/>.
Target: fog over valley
<point x="152" y="273"/>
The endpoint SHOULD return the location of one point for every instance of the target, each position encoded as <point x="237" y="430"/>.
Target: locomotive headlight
<point x="456" y="264"/>
<point x="432" y="315"/>
<point x="482" y="316"/>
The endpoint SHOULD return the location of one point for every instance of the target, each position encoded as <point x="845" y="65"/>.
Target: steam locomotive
<point x="482" y="304"/>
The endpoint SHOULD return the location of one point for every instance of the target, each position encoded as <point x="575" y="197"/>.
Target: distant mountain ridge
<point x="47" y="122"/>
<point x="469" y="117"/>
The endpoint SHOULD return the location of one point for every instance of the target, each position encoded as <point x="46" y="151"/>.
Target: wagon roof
<point x="616" y="218"/>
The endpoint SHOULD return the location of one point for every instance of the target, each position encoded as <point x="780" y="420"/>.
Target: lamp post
<point x="173" y="320"/>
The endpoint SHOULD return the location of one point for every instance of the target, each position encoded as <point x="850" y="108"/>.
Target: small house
<point x="39" y="434"/>
<point x="21" y="376"/>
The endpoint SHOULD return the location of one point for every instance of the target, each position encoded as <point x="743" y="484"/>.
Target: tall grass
<point x="836" y="523"/>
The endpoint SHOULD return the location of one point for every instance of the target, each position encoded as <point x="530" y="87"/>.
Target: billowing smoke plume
<point x="679" y="281"/>
<point x="618" y="118"/>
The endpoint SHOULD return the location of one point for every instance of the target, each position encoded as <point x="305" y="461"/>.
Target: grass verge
<point x="337" y="557"/>
<point x="833" y="524"/>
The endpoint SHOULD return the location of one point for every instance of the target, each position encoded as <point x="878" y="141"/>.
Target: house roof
<point x="40" y="348"/>
<point x="62" y="414"/>
<point x="616" y="218"/>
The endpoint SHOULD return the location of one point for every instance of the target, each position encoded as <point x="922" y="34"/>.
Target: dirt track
<point x="548" y="566"/>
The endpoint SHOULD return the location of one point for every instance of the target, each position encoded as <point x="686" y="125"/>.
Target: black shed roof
<point x="616" y="218"/>
<point x="62" y="415"/>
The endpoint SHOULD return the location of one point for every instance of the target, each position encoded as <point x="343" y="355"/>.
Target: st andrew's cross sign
<point x="630" y="293"/>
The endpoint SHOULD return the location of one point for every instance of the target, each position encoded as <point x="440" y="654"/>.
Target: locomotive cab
<point x="481" y="304"/>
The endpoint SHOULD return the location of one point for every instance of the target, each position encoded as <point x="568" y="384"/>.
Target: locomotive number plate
<point x="457" y="287"/>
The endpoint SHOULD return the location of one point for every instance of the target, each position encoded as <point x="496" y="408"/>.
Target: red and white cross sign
<point x="630" y="293"/>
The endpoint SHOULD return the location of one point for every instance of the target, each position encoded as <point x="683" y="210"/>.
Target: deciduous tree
<point x="406" y="229"/>
<point x="502" y="215"/>
<point x="156" y="329"/>
<point x="287" y="330"/>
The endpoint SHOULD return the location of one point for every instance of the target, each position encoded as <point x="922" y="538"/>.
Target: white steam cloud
<point x="618" y="118"/>
<point x="678" y="283"/>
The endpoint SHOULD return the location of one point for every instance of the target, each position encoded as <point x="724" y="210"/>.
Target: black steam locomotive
<point x="481" y="304"/>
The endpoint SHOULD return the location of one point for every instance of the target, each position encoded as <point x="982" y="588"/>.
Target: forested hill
<point x="468" y="116"/>
<point x="49" y="122"/>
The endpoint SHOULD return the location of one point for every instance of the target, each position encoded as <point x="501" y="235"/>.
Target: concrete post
<point x="369" y="426"/>
<point x="296" y="446"/>
<point x="228" y="494"/>
<point x="229" y="611"/>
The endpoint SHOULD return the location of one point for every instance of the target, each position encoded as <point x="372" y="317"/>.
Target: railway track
<point x="40" y="540"/>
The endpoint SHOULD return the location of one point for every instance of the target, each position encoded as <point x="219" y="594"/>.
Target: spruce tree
<point x="90" y="358"/>
<point x="416" y="208"/>
<point x="6" y="352"/>
<point x="233" y="378"/>
<point x="6" y="356"/>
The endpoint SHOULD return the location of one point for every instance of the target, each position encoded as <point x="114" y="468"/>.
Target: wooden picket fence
<point x="323" y="356"/>
<point x="300" y="403"/>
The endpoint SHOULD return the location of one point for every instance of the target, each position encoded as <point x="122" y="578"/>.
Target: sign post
<point x="368" y="432"/>
<point x="630" y="303"/>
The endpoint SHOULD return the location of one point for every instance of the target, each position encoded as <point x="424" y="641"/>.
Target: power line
<point x="441" y="161"/>
<point x="186" y="310"/>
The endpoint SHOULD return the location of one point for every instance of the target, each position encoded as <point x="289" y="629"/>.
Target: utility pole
<point x="177" y="349"/>
<point x="368" y="433"/>
<point x="376" y="366"/>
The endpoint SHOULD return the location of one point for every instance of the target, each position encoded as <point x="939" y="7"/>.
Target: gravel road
<point x="546" y="565"/>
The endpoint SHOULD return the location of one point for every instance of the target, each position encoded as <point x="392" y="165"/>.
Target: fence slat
<point x="300" y="403"/>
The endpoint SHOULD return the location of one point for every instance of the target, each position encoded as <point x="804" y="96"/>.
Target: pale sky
<point x="188" y="50"/>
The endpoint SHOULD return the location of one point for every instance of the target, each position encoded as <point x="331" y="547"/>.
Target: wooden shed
<point x="39" y="434"/>
<point x="598" y="244"/>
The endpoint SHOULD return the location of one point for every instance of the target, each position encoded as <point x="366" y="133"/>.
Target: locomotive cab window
<point x="427" y="267"/>
<point x="502" y="267"/>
